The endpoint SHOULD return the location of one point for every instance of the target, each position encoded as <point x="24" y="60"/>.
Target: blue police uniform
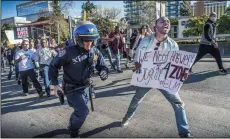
<point x="78" y="66"/>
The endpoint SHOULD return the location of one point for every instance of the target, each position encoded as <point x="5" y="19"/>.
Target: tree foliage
<point x="123" y="23"/>
<point x="185" y="9"/>
<point x="194" y="26"/>
<point x="227" y="11"/>
<point x="111" y="13"/>
<point x="103" y="24"/>
<point x="224" y="24"/>
<point x="4" y="27"/>
<point x="173" y="21"/>
<point x="57" y="17"/>
<point x="148" y="12"/>
<point x="89" y="8"/>
<point x="104" y="18"/>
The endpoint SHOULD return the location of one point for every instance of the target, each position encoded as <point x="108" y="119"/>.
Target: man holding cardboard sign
<point x="159" y="41"/>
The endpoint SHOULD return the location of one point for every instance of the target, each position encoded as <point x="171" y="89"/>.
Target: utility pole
<point x="58" y="27"/>
<point x="160" y="8"/>
<point x="70" y="27"/>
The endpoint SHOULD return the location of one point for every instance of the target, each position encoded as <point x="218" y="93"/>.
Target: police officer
<point x="78" y="64"/>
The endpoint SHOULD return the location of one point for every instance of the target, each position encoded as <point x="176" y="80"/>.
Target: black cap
<point x="212" y="14"/>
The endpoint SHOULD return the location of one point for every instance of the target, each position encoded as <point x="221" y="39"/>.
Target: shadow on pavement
<point x="100" y="129"/>
<point x="105" y="86"/>
<point x="200" y="76"/>
<point x="84" y="135"/>
<point x="25" y="104"/>
<point x="53" y="133"/>
<point x="116" y="92"/>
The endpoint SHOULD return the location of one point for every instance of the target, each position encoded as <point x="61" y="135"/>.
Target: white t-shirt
<point x="46" y="55"/>
<point x="160" y="47"/>
<point x="26" y="63"/>
<point x="33" y="49"/>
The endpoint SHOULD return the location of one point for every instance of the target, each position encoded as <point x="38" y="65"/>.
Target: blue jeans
<point x="108" y="53"/>
<point x="45" y="75"/>
<point x="78" y="101"/>
<point x="175" y="101"/>
<point x="16" y="70"/>
<point x="117" y="62"/>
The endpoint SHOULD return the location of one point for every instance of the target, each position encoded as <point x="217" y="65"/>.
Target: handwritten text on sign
<point x="163" y="69"/>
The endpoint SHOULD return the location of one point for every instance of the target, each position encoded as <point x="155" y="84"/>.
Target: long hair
<point x="140" y="31"/>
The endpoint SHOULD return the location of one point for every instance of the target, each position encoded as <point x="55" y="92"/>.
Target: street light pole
<point x="70" y="27"/>
<point x="160" y="8"/>
<point x="58" y="26"/>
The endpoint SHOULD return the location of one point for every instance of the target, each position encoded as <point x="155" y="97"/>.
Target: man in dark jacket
<point x="208" y="43"/>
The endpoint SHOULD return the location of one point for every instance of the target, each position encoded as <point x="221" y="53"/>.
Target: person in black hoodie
<point x="208" y="43"/>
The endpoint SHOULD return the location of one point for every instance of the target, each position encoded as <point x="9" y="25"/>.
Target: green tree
<point x="223" y="24"/>
<point x="227" y="11"/>
<point x="195" y="26"/>
<point x="185" y="9"/>
<point x="4" y="27"/>
<point x="103" y="24"/>
<point x="57" y="21"/>
<point x="173" y="21"/>
<point x="89" y="8"/>
<point x="148" y="14"/>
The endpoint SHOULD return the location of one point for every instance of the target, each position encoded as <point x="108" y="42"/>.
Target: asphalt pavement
<point x="206" y="94"/>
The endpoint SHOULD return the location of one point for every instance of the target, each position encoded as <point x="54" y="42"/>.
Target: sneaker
<point x="74" y="133"/>
<point x="223" y="71"/>
<point x="125" y="122"/>
<point x="186" y="136"/>
<point x="19" y="82"/>
<point x="113" y="67"/>
<point x="119" y="71"/>
<point x="48" y="92"/>
<point x="41" y="94"/>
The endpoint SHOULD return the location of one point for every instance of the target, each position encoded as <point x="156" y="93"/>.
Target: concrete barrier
<point x="224" y="47"/>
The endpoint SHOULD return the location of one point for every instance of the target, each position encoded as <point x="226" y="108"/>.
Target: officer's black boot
<point x="48" y="92"/>
<point x="74" y="133"/>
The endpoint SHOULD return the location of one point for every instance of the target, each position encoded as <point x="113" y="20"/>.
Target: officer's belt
<point x="70" y="88"/>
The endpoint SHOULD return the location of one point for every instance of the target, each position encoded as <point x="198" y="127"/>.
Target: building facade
<point x="173" y="9"/>
<point x="206" y="7"/>
<point x="34" y="9"/>
<point x="134" y="9"/>
<point x="16" y="21"/>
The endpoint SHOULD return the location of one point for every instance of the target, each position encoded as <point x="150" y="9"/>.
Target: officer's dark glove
<point x="103" y="75"/>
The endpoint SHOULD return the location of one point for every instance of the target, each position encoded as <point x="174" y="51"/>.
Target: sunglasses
<point x="87" y="41"/>
<point x="158" y="44"/>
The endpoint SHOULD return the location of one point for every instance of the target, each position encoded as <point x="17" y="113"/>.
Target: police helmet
<point x="85" y="31"/>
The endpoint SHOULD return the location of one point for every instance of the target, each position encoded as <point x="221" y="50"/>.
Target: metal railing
<point x="198" y="37"/>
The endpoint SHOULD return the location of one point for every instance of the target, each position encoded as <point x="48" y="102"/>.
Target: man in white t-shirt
<point x="24" y="59"/>
<point x="159" y="41"/>
<point x="45" y="56"/>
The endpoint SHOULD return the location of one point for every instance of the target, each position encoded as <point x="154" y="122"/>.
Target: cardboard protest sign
<point x="163" y="69"/>
<point x="22" y="32"/>
<point x="10" y="37"/>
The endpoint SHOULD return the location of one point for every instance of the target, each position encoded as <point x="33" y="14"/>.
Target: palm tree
<point x="88" y="7"/>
